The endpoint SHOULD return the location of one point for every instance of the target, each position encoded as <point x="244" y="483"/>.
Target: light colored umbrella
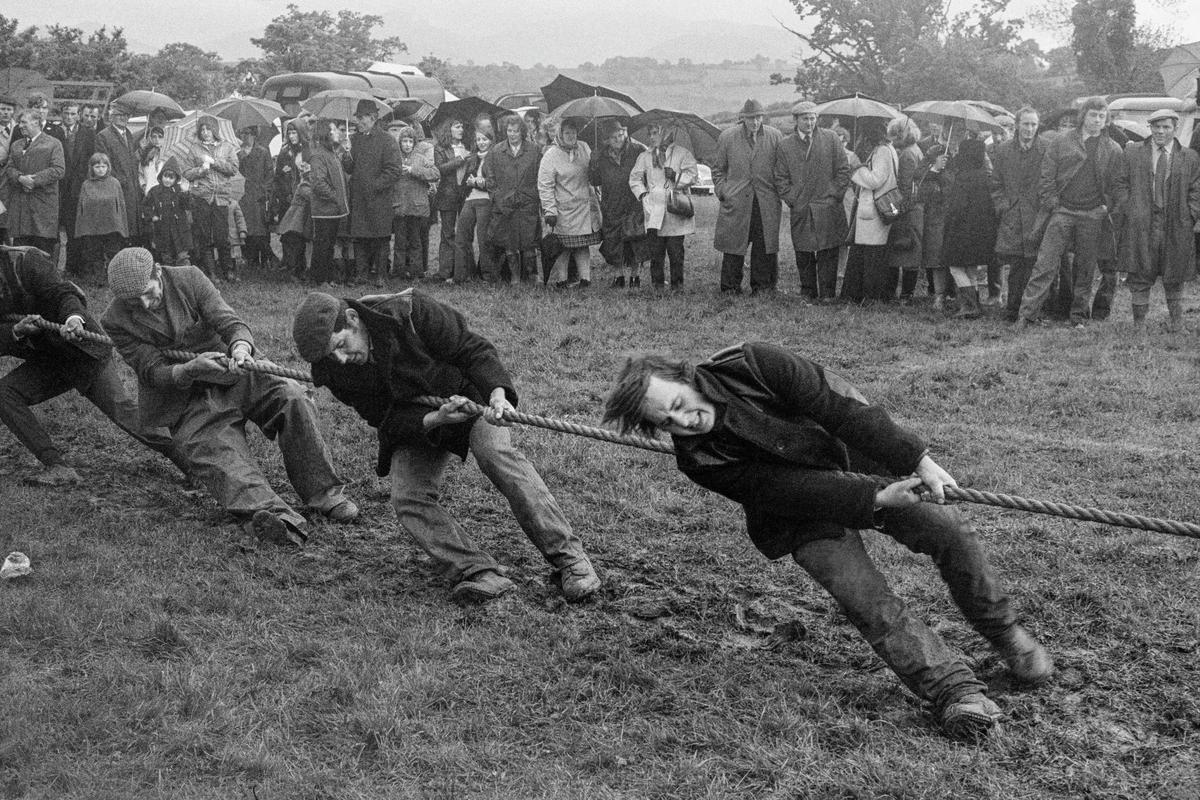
<point x="340" y="103"/>
<point x="954" y="112"/>
<point x="143" y="101"/>
<point x="857" y="106"/>
<point x="178" y="135"/>
<point x="247" y="112"/>
<point x="1180" y="70"/>
<point x="593" y="108"/>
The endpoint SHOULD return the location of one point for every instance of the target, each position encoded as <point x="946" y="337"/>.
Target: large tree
<point x="1112" y="52"/>
<point x="64" y="53"/>
<point x="306" y="41"/>
<point x="182" y="71"/>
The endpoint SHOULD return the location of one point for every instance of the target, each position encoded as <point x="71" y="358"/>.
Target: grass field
<point x="148" y="657"/>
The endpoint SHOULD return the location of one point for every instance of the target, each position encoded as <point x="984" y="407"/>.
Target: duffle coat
<point x="812" y="181"/>
<point x="1181" y="212"/>
<point x="743" y="171"/>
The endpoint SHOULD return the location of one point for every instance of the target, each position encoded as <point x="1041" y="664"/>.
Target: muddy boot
<point x="968" y="303"/>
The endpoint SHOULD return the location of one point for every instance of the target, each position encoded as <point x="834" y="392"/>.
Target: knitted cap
<point x="313" y="325"/>
<point x="129" y="272"/>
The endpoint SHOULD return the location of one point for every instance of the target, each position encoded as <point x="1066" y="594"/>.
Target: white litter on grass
<point x="15" y="566"/>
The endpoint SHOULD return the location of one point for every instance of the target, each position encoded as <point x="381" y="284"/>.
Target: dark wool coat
<point x="77" y="150"/>
<point x="418" y="347"/>
<point x="970" y="231"/>
<point x="193" y="317"/>
<point x="122" y="153"/>
<point x="259" y="171"/>
<point x="449" y="195"/>
<point x="904" y="237"/>
<point x="329" y="195"/>
<point x="1015" y="176"/>
<point x="611" y="175"/>
<point x="786" y="430"/>
<point x="29" y="284"/>
<point x="35" y="212"/>
<point x="165" y="220"/>
<point x="812" y="181"/>
<point x="741" y="173"/>
<point x="374" y="166"/>
<point x="512" y="182"/>
<point x="1182" y="212"/>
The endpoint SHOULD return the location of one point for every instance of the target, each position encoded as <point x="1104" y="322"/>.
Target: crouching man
<point x="206" y="402"/>
<point x="776" y="432"/>
<point x="377" y="355"/>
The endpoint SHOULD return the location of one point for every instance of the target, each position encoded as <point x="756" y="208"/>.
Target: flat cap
<point x="129" y="272"/>
<point x="313" y="325"/>
<point x="804" y="107"/>
<point x="1164" y="113"/>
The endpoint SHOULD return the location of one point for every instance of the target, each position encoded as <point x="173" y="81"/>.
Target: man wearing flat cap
<point x="120" y="145"/>
<point x="207" y="401"/>
<point x="377" y="355"/>
<point x="375" y="165"/>
<point x="744" y="180"/>
<point x="812" y="175"/>
<point x="1161" y="179"/>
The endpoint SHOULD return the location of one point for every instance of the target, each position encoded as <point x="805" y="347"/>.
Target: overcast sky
<point x="561" y="32"/>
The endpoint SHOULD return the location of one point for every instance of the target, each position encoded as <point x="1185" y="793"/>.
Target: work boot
<point x="971" y="718"/>
<point x="55" y="475"/>
<point x="1025" y="658"/>
<point x="343" y="512"/>
<point x="579" y="580"/>
<point x="482" y="587"/>
<point x="968" y="303"/>
<point x="270" y="529"/>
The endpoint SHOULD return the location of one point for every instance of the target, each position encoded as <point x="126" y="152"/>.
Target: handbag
<point x="892" y="204"/>
<point x="679" y="203"/>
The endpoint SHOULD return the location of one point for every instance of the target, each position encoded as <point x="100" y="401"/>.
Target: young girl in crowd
<point x="100" y="222"/>
<point x="165" y="218"/>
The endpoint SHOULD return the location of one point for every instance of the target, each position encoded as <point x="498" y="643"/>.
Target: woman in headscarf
<point x="210" y="164"/>
<point x="569" y="206"/>
<point x="664" y="168"/>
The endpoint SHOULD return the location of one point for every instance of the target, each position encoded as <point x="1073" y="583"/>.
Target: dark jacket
<point x="34" y="212"/>
<point x="612" y="176"/>
<point x="77" y="151"/>
<point x="418" y="347"/>
<point x="374" y="167"/>
<point x="1064" y="157"/>
<point x="328" y="182"/>
<point x="29" y="284"/>
<point x="258" y="169"/>
<point x="165" y="219"/>
<point x="1179" y="217"/>
<point x="512" y="182"/>
<point x="101" y="208"/>
<point x="970" y="230"/>
<point x="1015" y="176"/>
<point x="449" y="192"/>
<point x="786" y="430"/>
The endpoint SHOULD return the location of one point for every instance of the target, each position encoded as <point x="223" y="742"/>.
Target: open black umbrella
<point x="695" y="133"/>
<point x="467" y="109"/>
<point x="563" y="89"/>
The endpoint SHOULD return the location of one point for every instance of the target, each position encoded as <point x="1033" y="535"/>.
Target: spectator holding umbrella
<point x="569" y="205"/>
<point x="866" y="267"/>
<point x="624" y="245"/>
<point x="664" y="167"/>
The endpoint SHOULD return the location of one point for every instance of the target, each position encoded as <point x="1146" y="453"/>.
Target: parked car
<point x="704" y="181"/>
<point x="515" y="101"/>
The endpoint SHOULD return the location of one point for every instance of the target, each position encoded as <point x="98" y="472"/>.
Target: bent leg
<point x="917" y="655"/>
<point x="28" y="385"/>
<point x="107" y="392"/>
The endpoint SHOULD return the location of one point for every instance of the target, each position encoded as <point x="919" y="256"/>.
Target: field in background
<point x="148" y="657"/>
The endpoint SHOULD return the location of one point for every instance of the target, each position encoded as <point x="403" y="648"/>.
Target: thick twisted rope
<point x="1083" y="513"/>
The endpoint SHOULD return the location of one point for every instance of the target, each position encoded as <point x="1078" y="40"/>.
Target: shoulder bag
<point x="892" y="204"/>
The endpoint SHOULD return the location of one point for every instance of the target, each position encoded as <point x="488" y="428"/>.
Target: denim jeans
<point x="418" y="473"/>
<point x="212" y="435"/>
<point x="1080" y="231"/>
<point x="473" y="218"/>
<point x="921" y="659"/>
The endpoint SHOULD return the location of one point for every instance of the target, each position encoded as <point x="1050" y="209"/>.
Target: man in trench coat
<point x="744" y="180"/>
<point x="375" y="165"/>
<point x="35" y="166"/>
<point x="811" y="175"/>
<point x="1162" y="182"/>
<point x="1016" y="171"/>
<point x="120" y="145"/>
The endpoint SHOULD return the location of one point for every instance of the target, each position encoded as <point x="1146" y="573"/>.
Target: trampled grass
<point x="149" y="657"/>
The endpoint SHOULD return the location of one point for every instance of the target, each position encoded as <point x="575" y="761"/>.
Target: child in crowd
<point x="296" y="226"/>
<point x="100" y="222"/>
<point x="410" y="206"/>
<point x="165" y="218"/>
